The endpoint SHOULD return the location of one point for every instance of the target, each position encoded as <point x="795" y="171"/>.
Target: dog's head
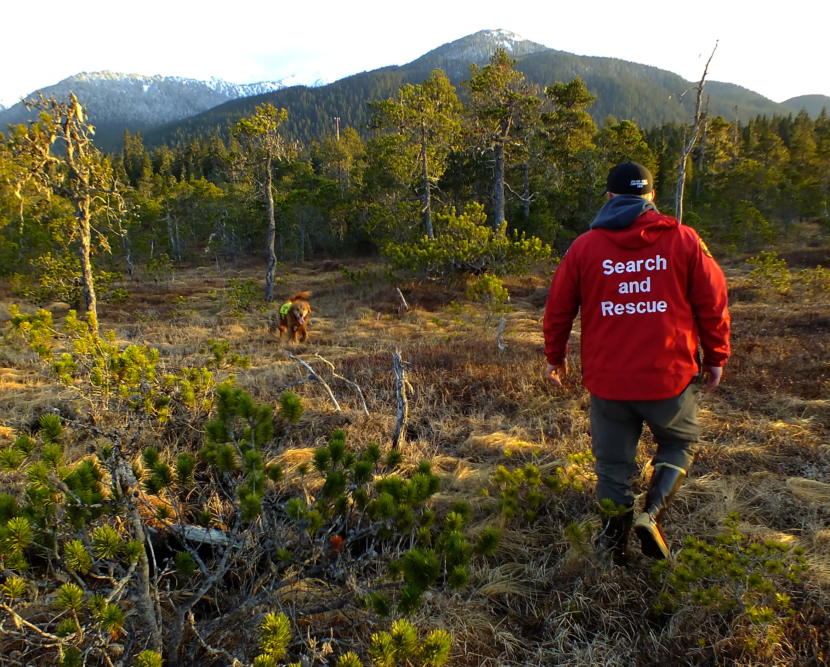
<point x="300" y="310"/>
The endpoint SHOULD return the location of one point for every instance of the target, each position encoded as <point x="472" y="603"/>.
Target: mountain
<point x="646" y="95"/>
<point x="455" y="58"/>
<point x="116" y="101"/>
<point x="169" y="109"/>
<point x="812" y="104"/>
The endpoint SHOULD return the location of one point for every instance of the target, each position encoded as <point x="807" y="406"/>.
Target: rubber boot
<point x="664" y="482"/>
<point x="613" y="538"/>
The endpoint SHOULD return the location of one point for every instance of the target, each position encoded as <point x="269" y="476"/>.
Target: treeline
<point x="534" y="158"/>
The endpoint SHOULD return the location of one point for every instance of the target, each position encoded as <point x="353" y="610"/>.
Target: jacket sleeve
<point x="708" y="297"/>
<point x="560" y="309"/>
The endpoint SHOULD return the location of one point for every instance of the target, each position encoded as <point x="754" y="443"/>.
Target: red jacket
<point x="648" y="294"/>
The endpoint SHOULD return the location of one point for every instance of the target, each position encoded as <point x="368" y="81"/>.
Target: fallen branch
<point x="211" y="649"/>
<point x="312" y="375"/>
<point x="125" y="482"/>
<point x="177" y="629"/>
<point x="404" y="304"/>
<point x="20" y="621"/>
<point x="349" y="382"/>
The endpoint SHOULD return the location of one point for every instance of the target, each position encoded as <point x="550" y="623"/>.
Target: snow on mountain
<point x="455" y="57"/>
<point x="117" y="101"/>
<point x="478" y="47"/>
<point x="152" y="83"/>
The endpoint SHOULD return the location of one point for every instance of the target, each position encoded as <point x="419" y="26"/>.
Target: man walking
<point x="649" y="293"/>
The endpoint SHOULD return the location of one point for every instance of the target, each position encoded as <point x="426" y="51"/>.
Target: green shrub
<point x="465" y="244"/>
<point x="243" y="296"/>
<point x="275" y="633"/>
<point x="746" y="581"/>
<point x="489" y="291"/>
<point x="221" y="355"/>
<point x="815" y="281"/>
<point x="771" y="272"/>
<point x="524" y="491"/>
<point x="160" y="268"/>
<point x="117" y="295"/>
<point x="401" y="645"/>
<point x="58" y="278"/>
<point x="85" y="520"/>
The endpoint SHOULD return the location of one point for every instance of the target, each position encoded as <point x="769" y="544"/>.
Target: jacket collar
<point x="620" y="211"/>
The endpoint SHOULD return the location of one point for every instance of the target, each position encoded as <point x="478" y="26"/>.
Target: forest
<point x="181" y="486"/>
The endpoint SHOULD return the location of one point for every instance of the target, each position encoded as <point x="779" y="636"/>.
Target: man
<point x="648" y="292"/>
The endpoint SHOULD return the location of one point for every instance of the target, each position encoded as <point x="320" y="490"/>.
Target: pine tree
<point x="427" y="117"/>
<point x="569" y="153"/>
<point x="501" y="101"/>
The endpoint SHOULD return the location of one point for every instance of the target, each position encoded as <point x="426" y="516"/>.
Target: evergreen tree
<point x="501" y="100"/>
<point x="427" y="119"/>
<point x="340" y="156"/>
<point x="623" y="140"/>
<point x="572" y="169"/>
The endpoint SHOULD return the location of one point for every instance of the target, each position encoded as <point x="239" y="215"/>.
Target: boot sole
<point x="652" y="542"/>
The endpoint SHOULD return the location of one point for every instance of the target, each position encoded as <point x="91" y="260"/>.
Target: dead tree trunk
<point x="690" y="144"/>
<point x="403" y="405"/>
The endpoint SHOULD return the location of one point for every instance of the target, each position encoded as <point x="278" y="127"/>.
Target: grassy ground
<point x="544" y="598"/>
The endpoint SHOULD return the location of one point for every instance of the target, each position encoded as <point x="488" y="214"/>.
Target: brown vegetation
<point x="544" y="598"/>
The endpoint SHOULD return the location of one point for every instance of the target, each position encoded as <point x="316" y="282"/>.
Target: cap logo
<point x="639" y="184"/>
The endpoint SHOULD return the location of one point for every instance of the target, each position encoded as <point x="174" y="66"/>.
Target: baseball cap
<point x="629" y="178"/>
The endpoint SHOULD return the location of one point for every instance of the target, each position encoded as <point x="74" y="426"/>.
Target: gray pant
<point x="616" y="427"/>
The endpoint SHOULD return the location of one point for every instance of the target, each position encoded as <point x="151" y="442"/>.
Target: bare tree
<point x="699" y="120"/>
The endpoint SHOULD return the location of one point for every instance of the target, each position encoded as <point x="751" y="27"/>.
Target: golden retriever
<point x="293" y="317"/>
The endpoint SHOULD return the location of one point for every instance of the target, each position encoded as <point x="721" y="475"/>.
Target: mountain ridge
<point x="644" y="94"/>
<point x="166" y="108"/>
<point x="117" y="101"/>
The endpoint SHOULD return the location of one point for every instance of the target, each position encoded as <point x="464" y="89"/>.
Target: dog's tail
<point x="301" y="295"/>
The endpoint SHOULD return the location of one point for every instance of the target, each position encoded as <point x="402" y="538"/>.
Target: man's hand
<point x="555" y="373"/>
<point x="712" y="376"/>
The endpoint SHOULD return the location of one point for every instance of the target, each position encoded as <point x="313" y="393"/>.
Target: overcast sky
<point x="779" y="50"/>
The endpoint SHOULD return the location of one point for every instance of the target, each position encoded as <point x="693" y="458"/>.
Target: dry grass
<point x="541" y="600"/>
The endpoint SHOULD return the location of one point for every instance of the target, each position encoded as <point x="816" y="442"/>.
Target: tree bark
<point x="272" y="235"/>
<point x="426" y="211"/>
<point x="128" y="253"/>
<point x="498" y="185"/>
<point x="90" y="304"/>
<point x="526" y="191"/>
